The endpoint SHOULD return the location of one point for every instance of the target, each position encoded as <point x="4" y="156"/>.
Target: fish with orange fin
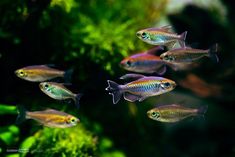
<point x="141" y="88"/>
<point x="188" y="54"/>
<point x="162" y="36"/>
<point x="50" y="118"/>
<point x="41" y="73"/>
<point x="174" y="113"/>
<point x="145" y="62"/>
<point x="59" y="92"/>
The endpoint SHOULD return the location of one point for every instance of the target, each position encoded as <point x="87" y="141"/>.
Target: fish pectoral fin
<point x="132" y="76"/>
<point x="131" y="97"/>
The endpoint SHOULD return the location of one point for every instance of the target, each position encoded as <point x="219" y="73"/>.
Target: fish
<point x="162" y="36"/>
<point x="174" y="113"/>
<point x="141" y="88"/>
<point x="41" y="73"/>
<point x="50" y="118"/>
<point x="145" y="62"/>
<point x="59" y="92"/>
<point x="189" y="54"/>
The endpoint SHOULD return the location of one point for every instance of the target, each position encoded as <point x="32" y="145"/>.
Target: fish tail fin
<point x="114" y="90"/>
<point x="77" y="99"/>
<point x="212" y="53"/>
<point x="202" y="110"/>
<point x="21" y="114"/>
<point x="68" y="75"/>
<point x="182" y="39"/>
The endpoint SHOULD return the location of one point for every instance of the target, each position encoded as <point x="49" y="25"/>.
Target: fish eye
<point x="166" y="57"/>
<point x="73" y="120"/>
<point x="167" y="84"/>
<point x="46" y="85"/>
<point x="21" y="73"/>
<point x="154" y="114"/>
<point x="128" y="63"/>
<point x="144" y="35"/>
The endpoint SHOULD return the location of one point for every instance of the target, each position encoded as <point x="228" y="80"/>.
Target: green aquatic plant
<point x="76" y="141"/>
<point x="7" y="109"/>
<point x="73" y="142"/>
<point x="98" y="34"/>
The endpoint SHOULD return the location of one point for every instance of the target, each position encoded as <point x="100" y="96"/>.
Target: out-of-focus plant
<point x="103" y="31"/>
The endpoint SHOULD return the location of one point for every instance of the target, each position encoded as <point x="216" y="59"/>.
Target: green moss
<point x="75" y="141"/>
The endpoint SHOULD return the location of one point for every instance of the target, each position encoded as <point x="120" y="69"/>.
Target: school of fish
<point x="149" y="62"/>
<point x="139" y="86"/>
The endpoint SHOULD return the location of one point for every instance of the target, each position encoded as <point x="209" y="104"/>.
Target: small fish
<point x="50" y="118"/>
<point x="174" y="113"/>
<point x="141" y="88"/>
<point x="161" y="36"/>
<point x="59" y="92"/>
<point x="145" y="62"/>
<point x="188" y="54"/>
<point x="40" y="73"/>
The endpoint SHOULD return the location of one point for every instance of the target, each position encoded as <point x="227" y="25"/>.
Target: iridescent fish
<point x="145" y="62"/>
<point x="59" y="92"/>
<point x="188" y="54"/>
<point x="141" y="88"/>
<point x="40" y="73"/>
<point x="174" y="113"/>
<point x="161" y="36"/>
<point x="50" y="118"/>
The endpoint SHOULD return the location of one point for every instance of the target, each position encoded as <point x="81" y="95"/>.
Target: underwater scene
<point x="106" y="78"/>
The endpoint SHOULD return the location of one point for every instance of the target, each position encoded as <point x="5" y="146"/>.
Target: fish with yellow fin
<point x="50" y="118"/>
<point x="174" y="113"/>
<point x="41" y="73"/>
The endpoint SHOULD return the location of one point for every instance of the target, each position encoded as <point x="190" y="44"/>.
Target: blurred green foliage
<point x="6" y="109"/>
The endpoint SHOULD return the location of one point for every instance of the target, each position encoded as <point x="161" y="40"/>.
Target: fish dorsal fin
<point x="54" y="111"/>
<point x="155" y="50"/>
<point x="167" y="28"/>
<point x="132" y="76"/>
<point x="61" y="85"/>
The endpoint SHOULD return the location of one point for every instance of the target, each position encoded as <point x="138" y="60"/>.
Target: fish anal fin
<point x="170" y="45"/>
<point x="142" y="98"/>
<point x="131" y="97"/>
<point x="162" y="70"/>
